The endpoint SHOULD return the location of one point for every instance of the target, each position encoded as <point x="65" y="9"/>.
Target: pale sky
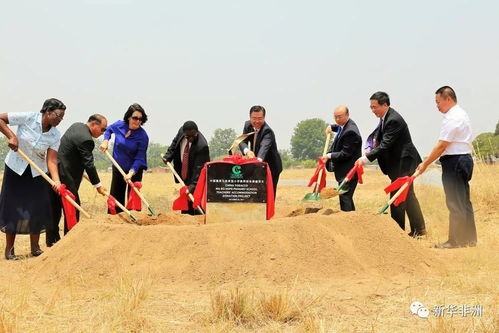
<point x="210" y="61"/>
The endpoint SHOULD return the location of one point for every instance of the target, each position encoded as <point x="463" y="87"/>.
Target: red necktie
<point x="185" y="162"/>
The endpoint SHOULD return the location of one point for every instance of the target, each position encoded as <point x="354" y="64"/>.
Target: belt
<point x="448" y="157"/>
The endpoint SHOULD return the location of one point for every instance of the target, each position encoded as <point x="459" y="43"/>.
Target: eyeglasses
<point x="58" y="115"/>
<point x="191" y="136"/>
<point x="136" y="118"/>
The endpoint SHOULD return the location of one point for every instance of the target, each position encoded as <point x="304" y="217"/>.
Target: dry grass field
<point x="324" y="272"/>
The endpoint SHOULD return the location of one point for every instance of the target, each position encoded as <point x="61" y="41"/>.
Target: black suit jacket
<point x="75" y="156"/>
<point x="346" y="149"/>
<point x="397" y="156"/>
<point x="199" y="154"/>
<point x="265" y="148"/>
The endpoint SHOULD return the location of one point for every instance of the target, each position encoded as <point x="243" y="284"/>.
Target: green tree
<point x="486" y="145"/>
<point x="153" y="155"/>
<point x="4" y="149"/>
<point x="287" y="159"/>
<point x="497" y="129"/>
<point x="308" y="139"/>
<point x="221" y="141"/>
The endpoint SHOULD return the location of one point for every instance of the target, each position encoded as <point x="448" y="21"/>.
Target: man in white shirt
<point x="454" y="149"/>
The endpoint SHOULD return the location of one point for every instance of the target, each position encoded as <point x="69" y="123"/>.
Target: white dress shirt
<point x="32" y="141"/>
<point x="456" y="129"/>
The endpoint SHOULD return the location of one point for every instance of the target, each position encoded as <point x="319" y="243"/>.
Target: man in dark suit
<point x="397" y="157"/>
<point x="345" y="150"/>
<point x="189" y="152"/>
<point x="74" y="157"/>
<point x="262" y="144"/>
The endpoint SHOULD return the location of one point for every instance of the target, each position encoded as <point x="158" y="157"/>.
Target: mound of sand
<point x="172" y="218"/>
<point x="306" y="247"/>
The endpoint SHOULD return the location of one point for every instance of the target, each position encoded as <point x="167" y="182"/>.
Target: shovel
<point x="398" y="193"/>
<point x="341" y="188"/>
<point x="151" y="211"/>
<point x="181" y="182"/>
<point x="123" y="208"/>
<point x="314" y="200"/>
<point x="51" y="182"/>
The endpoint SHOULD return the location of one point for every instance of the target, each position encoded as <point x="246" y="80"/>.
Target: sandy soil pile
<point x="171" y="218"/>
<point x="304" y="247"/>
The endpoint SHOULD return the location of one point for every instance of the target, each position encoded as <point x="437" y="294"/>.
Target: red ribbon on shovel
<point x="357" y="169"/>
<point x="111" y="204"/>
<point x="315" y="178"/>
<point x="69" y="209"/>
<point x="182" y="202"/>
<point x="398" y="183"/>
<point x="134" y="201"/>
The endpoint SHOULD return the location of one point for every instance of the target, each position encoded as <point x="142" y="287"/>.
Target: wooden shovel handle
<point x="51" y="182"/>
<point x="129" y="182"/>
<point x="181" y="182"/>
<point x="106" y="194"/>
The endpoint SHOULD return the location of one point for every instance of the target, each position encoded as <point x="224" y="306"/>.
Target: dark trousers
<point x="411" y="206"/>
<point x="346" y="199"/>
<point x="275" y="180"/>
<point x="52" y="229"/>
<point x="118" y="187"/>
<point x="456" y="173"/>
<point x="191" y="210"/>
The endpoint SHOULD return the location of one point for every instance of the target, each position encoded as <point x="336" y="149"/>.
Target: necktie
<point x="185" y="161"/>
<point x="337" y="137"/>
<point x="254" y="142"/>
<point x="379" y="136"/>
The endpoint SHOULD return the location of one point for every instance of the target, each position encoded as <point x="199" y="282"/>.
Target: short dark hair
<point x="257" y="108"/>
<point x="189" y="125"/>
<point x="382" y="98"/>
<point x="447" y="91"/>
<point x="131" y="109"/>
<point x="98" y="118"/>
<point x="52" y="104"/>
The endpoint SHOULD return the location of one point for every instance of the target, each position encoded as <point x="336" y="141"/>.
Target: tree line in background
<point x="307" y="144"/>
<point x="486" y="146"/>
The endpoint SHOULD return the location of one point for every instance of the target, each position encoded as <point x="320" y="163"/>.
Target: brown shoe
<point x="446" y="245"/>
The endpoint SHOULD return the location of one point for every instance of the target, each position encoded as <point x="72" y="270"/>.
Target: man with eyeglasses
<point x="74" y="157"/>
<point x="397" y="157"/>
<point x="262" y="143"/>
<point x="189" y="152"/>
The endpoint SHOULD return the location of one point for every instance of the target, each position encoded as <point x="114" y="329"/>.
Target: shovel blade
<point x="312" y="197"/>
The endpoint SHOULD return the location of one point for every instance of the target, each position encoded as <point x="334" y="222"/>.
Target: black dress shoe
<point x="36" y="252"/>
<point x="417" y="233"/>
<point x="11" y="255"/>
<point x="446" y="245"/>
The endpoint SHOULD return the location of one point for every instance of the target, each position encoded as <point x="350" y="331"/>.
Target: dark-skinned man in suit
<point x="189" y="152"/>
<point x="397" y="157"/>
